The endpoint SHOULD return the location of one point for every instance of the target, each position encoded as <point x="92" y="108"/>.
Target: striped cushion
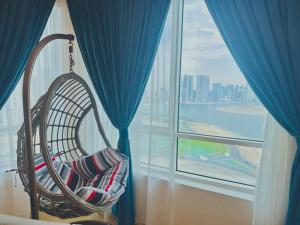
<point x="40" y="166"/>
<point x="103" y="189"/>
<point x="98" y="179"/>
<point x="70" y="178"/>
<point x="98" y="163"/>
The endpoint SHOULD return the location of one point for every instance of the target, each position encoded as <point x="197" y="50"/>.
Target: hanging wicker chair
<point x="56" y="120"/>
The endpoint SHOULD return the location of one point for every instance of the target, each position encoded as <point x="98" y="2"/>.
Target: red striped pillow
<point x="98" y="163"/>
<point x="40" y="165"/>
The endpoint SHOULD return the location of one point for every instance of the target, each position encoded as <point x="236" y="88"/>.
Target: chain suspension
<point x="71" y="62"/>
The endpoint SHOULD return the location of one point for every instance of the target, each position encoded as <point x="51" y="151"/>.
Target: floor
<point x="95" y="216"/>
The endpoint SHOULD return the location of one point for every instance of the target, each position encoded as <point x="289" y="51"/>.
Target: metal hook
<point x="72" y="62"/>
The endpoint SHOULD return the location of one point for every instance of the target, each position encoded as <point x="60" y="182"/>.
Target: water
<point x="238" y="123"/>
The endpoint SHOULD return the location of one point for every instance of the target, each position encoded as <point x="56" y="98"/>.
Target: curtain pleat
<point x="118" y="40"/>
<point x="272" y="187"/>
<point x="21" y="26"/>
<point x="263" y="37"/>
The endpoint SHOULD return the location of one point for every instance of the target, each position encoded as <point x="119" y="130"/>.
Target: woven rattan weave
<point x="56" y="120"/>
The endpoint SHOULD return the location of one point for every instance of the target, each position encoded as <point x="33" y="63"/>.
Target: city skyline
<point x="203" y="49"/>
<point x="197" y="89"/>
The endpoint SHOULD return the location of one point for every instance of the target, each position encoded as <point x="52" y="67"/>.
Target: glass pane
<point x="215" y="99"/>
<point x="160" y="146"/>
<point x="139" y="146"/>
<point x="154" y="107"/>
<point x="160" y="154"/>
<point x="150" y="129"/>
<point x="222" y="161"/>
<point x="11" y="117"/>
<point x="6" y="140"/>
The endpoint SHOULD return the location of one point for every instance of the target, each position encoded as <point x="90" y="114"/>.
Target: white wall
<point x="13" y="199"/>
<point x="191" y="206"/>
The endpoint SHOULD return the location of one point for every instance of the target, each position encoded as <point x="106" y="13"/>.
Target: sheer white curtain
<point x="151" y="138"/>
<point x="273" y="182"/>
<point x="52" y="61"/>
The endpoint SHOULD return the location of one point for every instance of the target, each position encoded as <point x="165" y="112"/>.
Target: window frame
<point x="231" y="188"/>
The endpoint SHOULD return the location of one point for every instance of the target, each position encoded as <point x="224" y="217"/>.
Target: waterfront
<point x="235" y="120"/>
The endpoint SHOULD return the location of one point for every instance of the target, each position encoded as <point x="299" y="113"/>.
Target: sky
<point x="203" y="49"/>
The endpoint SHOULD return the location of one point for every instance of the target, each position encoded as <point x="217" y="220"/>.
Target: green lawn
<point x="195" y="148"/>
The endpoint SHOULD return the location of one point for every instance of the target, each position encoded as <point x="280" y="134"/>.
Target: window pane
<point x="160" y="153"/>
<point x="222" y="161"/>
<point x="215" y="99"/>
<point x="150" y="129"/>
<point x="160" y="146"/>
<point x="154" y="107"/>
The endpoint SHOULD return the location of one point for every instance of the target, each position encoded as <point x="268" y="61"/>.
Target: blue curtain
<point x="118" y="40"/>
<point x="264" y="39"/>
<point x="21" y="26"/>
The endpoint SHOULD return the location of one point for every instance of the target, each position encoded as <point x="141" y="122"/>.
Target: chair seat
<point x="99" y="178"/>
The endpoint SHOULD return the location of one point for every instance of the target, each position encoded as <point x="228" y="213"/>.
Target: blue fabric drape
<point x="118" y="40"/>
<point x="264" y="39"/>
<point x="21" y="26"/>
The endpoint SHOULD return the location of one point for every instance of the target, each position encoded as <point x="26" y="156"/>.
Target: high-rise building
<point x="187" y="88"/>
<point x="228" y="92"/>
<point x="240" y="93"/>
<point x="244" y="92"/>
<point x="202" y="88"/>
<point x="217" y="92"/>
<point x="236" y="93"/>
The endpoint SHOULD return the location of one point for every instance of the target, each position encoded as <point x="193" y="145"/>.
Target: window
<point x="220" y="120"/>
<point x="52" y="60"/>
<point x="198" y="116"/>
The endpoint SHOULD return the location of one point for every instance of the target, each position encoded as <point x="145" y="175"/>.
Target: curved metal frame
<point x="44" y="137"/>
<point x="28" y="121"/>
<point x="37" y="135"/>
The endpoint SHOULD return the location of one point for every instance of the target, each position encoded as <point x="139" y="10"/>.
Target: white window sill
<point x="227" y="188"/>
